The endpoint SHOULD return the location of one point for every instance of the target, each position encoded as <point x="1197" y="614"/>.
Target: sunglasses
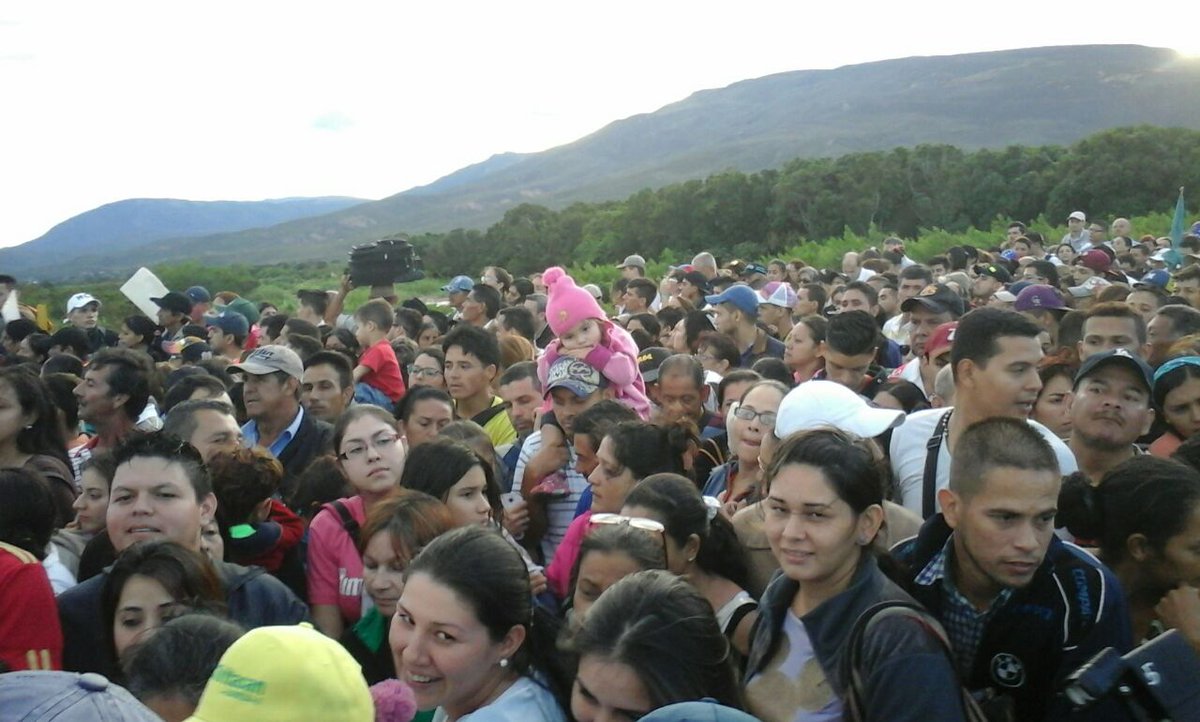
<point x="635" y="522"/>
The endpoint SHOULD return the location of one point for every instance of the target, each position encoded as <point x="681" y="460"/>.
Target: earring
<point x="28" y="427"/>
<point x="504" y="663"/>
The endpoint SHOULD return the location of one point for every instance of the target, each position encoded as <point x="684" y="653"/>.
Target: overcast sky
<point x="248" y="100"/>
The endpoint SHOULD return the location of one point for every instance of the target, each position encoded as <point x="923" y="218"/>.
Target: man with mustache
<point x="1111" y="410"/>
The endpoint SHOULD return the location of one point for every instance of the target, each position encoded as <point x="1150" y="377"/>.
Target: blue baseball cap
<point x="1158" y="279"/>
<point x="744" y="298"/>
<point x="459" y="284"/>
<point x="68" y="697"/>
<point x="230" y="322"/>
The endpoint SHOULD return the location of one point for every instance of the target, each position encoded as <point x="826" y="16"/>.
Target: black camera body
<point x="1159" y="680"/>
<point x="384" y="262"/>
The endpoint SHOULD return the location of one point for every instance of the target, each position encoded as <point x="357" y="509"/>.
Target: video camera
<point x="384" y="262"/>
<point x="1159" y="680"/>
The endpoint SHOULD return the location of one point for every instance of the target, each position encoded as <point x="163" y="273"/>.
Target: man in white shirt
<point x="994" y="356"/>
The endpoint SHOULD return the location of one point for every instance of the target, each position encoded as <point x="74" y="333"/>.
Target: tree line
<point x="907" y="192"/>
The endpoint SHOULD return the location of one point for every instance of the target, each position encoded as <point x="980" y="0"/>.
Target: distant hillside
<point x="125" y="225"/>
<point x="1034" y="96"/>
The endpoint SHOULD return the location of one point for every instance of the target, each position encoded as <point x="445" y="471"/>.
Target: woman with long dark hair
<point x="31" y="438"/>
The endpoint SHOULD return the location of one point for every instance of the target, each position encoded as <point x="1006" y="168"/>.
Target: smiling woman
<point x="467" y="637"/>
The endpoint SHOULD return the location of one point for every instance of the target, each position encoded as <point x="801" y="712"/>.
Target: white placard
<point x="11" y="312"/>
<point x="141" y="287"/>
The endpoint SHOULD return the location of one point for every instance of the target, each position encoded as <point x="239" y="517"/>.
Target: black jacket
<point x="908" y="676"/>
<point x="1073" y="609"/>
<point x="312" y="439"/>
<point x="255" y="599"/>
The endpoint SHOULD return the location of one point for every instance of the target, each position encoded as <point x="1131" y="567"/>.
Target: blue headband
<point x="1173" y="364"/>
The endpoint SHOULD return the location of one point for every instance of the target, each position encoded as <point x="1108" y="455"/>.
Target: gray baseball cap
<point x="269" y="359"/>
<point x="68" y="697"/>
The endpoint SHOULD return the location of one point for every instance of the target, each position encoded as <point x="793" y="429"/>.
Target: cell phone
<point x="510" y="499"/>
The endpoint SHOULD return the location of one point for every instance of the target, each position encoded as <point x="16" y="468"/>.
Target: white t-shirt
<point x="908" y="456"/>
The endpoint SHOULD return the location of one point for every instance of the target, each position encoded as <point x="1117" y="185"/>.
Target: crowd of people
<point x="894" y="490"/>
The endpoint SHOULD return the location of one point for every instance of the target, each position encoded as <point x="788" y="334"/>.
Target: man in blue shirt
<point x="271" y="394"/>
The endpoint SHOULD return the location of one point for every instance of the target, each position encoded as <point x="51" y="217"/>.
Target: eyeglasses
<point x="424" y="371"/>
<point x="359" y="451"/>
<point x="745" y="413"/>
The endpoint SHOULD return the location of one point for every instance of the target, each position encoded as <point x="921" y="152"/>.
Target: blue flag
<point x="1173" y="257"/>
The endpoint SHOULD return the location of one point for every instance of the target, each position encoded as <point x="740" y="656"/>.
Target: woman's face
<point x="333" y="343"/>
<point x="442" y="651"/>
<point x="611" y="480"/>
<point x="92" y="503"/>
<point x="799" y="348"/>
<point x="127" y="338"/>
<point x="1179" y="561"/>
<point x="679" y="338"/>
<point x="13" y="418"/>
<point x="812" y="532"/>
<point x="426" y="371"/>
<point x="607" y="690"/>
<point x="1181" y="408"/>
<point x="427" y="418"/>
<point x="733" y="392"/>
<point x="467" y="499"/>
<point x="1065" y="253"/>
<point x="383" y="573"/>
<point x="599" y="570"/>
<point x="885" y="400"/>
<point x="143" y="606"/>
<point x="1053" y="406"/>
<point x="710" y="362"/>
<point x="371" y="455"/>
<point x="762" y="400"/>
<point x="427" y="337"/>
<point x="674" y="553"/>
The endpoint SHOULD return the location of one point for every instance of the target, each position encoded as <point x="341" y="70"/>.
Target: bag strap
<point x="491" y="412"/>
<point x="349" y="523"/>
<point x="933" y="448"/>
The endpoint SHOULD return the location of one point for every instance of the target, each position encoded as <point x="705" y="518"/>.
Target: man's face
<point x="850" y="265"/>
<point x="523" y="403"/>
<point x="804" y="305"/>
<point x="1190" y="290"/>
<point x="679" y="398"/>
<point x="215" y="431"/>
<point x="1096" y="234"/>
<point x="889" y="302"/>
<point x="688" y="291"/>
<point x="1111" y="408"/>
<point x="96" y="401"/>
<point x="169" y="318"/>
<point x="847" y="370"/>
<point x="984" y="286"/>
<point x="567" y="406"/>
<point x="855" y="300"/>
<point x="1160" y="334"/>
<point x="1008" y="383"/>
<point x="633" y="302"/>
<point x="216" y="338"/>
<point x="1144" y="303"/>
<point x="1031" y="274"/>
<point x="1104" y="333"/>
<point x="775" y="272"/>
<point x="585" y="455"/>
<point x="539" y="317"/>
<point x="1120" y="245"/>
<point x="86" y="317"/>
<point x="266" y="394"/>
<point x="1122" y="227"/>
<point x="938" y="269"/>
<point x="466" y="376"/>
<point x="1001" y="534"/>
<point x="1074" y="225"/>
<point x="724" y="319"/>
<point x="910" y="287"/>
<point x="321" y="393"/>
<point x="1140" y="256"/>
<point x="152" y="499"/>
<point x="924" y="321"/>
<point x="1013" y="233"/>
<point x="474" y="311"/>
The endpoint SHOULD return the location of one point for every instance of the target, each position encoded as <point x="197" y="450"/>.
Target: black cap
<point x="1118" y="355"/>
<point x="996" y="271"/>
<point x="937" y="297"/>
<point x="649" y="360"/>
<point x="175" y="302"/>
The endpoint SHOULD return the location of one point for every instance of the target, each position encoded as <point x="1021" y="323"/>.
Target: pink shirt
<point x="335" y="569"/>
<point x="558" y="573"/>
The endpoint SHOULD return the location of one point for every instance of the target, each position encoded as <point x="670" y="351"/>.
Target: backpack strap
<point x="349" y="523"/>
<point x="933" y="448"/>
<point x="491" y="412"/>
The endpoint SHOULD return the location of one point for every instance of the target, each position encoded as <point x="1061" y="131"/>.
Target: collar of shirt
<point x="250" y="432"/>
<point x="935" y="570"/>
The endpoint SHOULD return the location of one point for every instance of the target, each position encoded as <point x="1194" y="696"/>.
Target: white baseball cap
<point x="80" y="300"/>
<point x="816" y="404"/>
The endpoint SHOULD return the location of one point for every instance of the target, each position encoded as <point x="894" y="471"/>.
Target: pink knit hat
<point x="567" y="305"/>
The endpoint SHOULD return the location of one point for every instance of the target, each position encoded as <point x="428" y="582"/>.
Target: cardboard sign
<point x="141" y="287"/>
